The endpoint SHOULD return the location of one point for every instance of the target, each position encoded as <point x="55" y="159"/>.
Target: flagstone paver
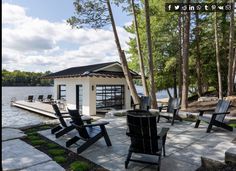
<point x="184" y="146"/>
<point x="48" y="166"/>
<point x="11" y="133"/>
<point x="17" y="155"/>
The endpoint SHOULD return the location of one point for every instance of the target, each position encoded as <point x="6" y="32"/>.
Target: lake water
<point x="15" y="117"/>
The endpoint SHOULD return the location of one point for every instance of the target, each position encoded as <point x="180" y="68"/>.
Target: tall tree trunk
<point x="141" y="63"/>
<point x="231" y="55"/>
<point x="184" y="102"/>
<point x="198" y="59"/>
<point x="123" y="60"/>
<point x="175" y="84"/>
<point x="234" y="67"/>
<point x="150" y="59"/>
<point x="180" y="60"/>
<point x="218" y="58"/>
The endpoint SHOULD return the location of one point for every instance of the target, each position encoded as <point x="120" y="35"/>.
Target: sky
<point x="37" y="38"/>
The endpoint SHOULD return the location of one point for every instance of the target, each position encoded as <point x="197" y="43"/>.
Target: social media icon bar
<point x="199" y="7"/>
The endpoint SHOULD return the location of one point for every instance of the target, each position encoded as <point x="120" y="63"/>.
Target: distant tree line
<point x="22" y="78"/>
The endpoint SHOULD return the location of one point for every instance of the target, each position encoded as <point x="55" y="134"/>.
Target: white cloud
<point x="39" y="45"/>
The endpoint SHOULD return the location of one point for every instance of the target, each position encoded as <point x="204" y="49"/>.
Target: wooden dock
<point x="44" y="109"/>
<point x="36" y="107"/>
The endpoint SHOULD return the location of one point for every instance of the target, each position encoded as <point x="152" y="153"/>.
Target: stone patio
<point x="184" y="146"/>
<point x="18" y="155"/>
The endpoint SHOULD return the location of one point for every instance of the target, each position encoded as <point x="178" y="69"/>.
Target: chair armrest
<point x="222" y="113"/>
<point x="163" y="132"/>
<point x="162" y="107"/>
<point x="96" y="124"/>
<point x="206" y="110"/>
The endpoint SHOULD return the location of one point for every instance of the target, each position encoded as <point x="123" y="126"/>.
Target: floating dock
<point x="36" y="107"/>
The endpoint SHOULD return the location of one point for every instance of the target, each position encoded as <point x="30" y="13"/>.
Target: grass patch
<point x="59" y="159"/>
<point x="33" y="137"/>
<point x="62" y="156"/>
<point x="51" y="145"/>
<point x="56" y="152"/>
<point x="79" y="166"/>
<point x="233" y="125"/>
<point x="33" y="134"/>
<point x="38" y="142"/>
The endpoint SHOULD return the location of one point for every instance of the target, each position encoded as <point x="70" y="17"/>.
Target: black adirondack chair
<point x="40" y="98"/>
<point x="217" y="117"/>
<point x="145" y="103"/>
<point x="63" y="127"/>
<point x="142" y="130"/>
<point x="30" y="98"/>
<point x="49" y="99"/>
<point x="172" y="110"/>
<point x="89" y="133"/>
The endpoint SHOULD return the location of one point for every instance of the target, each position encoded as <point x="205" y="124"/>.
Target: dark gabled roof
<point x="90" y="70"/>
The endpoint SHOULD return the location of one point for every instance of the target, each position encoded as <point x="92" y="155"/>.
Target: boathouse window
<point x="79" y="97"/>
<point x="110" y="96"/>
<point x="62" y="92"/>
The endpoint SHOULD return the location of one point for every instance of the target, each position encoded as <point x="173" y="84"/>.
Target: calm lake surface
<point x="16" y="117"/>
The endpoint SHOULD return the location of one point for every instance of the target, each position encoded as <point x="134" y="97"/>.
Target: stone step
<point x="230" y="155"/>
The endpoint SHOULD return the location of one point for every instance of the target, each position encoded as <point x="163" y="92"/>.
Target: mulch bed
<point x="70" y="156"/>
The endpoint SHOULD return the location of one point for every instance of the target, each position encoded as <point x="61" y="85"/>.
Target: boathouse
<point x="93" y="88"/>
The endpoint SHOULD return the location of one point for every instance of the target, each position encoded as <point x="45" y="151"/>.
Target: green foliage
<point x="166" y="47"/>
<point x="33" y="137"/>
<point x="59" y="159"/>
<point x="90" y="13"/>
<point x="51" y="145"/>
<point x="55" y="152"/>
<point x="38" y="142"/>
<point x="22" y="78"/>
<point x="79" y="166"/>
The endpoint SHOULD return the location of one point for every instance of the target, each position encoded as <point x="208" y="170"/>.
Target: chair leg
<point x="72" y="141"/>
<point x="209" y="127"/>
<point x="227" y="127"/>
<point x="105" y="135"/>
<point x="64" y="131"/>
<point x="128" y="159"/>
<point x="159" y="164"/>
<point x="197" y="123"/>
<point x="88" y="143"/>
<point x="158" y="118"/>
<point x="55" y="129"/>
<point x="173" y="120"/>
<point x="164" y="150"/>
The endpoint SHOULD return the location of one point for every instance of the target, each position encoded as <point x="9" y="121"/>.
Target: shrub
<point x="79" y="166"/>
<point x="59" y="159"/>
<point x="56" y="152"/>
<point x="33" y="137"/>
<point x="38" y="142"/>
<point x="51" y="145"/>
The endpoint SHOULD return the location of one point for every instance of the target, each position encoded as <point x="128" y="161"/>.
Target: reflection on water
<point x="15" y="117"/>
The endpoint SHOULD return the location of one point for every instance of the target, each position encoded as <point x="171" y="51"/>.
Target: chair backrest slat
<point x="30" y="98"/>
<point x="142" y="131"/>
<point x="49" y="97"/>
<point x="40" y="98"/>
<point x="172" y="104"/>
<point x="221" y="107"/>
<point x="145" y="102"/>
<point x="76" y="119"/>
<point x="58" y="115"/>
